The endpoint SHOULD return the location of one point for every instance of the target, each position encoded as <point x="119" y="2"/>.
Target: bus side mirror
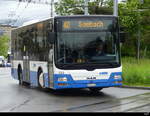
<point x="123" y="36"/>
<point x="51" y="37"/>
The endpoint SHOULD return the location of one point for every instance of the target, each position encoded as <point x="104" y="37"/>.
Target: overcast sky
<point x="22" y="12"/>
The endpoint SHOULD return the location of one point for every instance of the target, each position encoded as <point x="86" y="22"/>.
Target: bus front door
<point x="26" y="67"/>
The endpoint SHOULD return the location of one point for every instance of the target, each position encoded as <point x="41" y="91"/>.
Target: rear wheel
<point x="20" y="77"/>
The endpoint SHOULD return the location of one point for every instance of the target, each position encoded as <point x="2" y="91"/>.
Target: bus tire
<point x="40" y="79"/>
<point x="95" y="90"/>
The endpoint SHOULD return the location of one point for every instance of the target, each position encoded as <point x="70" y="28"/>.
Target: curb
<point x="133" y="87"/>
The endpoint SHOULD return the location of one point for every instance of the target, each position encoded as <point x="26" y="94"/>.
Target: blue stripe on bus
<point x="46" y="80"/>
<point x="71" y="83"/>
<point x="14" y="73"/>
<point x="84" y="83"/>
<point x="33" y="78"/>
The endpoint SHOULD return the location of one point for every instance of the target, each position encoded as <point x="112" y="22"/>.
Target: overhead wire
<point x="11" y="14"/>
<point x="28" y="2"/>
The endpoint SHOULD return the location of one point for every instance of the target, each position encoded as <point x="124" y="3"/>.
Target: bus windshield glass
<point x="87" y="43"/>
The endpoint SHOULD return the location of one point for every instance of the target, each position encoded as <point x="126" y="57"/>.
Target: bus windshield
<point x="87" y="48"/>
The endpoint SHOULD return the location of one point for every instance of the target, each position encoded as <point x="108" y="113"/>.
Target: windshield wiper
<point x="67" y="65"/>
<point x="112" y="63"/>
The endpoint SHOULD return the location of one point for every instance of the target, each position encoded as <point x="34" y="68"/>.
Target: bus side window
<point x="50" y="55"/>
<point x="48" y="30"/>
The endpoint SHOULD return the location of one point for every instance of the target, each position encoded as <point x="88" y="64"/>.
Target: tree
<point x="100" y="7"/>
<point x="135" y="16"/>
<point x="74" y="7"/>
<point x="3" y="45"/>
<point x="69" y="7"/>
<point x="145" y="28"/>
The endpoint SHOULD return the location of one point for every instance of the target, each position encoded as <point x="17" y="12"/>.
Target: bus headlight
<point x="117" y="77"/>
<point x="63" y="79"/>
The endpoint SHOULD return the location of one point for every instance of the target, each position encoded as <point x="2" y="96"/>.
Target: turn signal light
<point x="62" y="84"/>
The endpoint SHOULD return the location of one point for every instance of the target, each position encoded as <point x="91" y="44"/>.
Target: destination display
<point x="79" y="25"/>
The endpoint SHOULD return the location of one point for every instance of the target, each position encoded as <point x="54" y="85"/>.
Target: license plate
<point x="91" y="85"/>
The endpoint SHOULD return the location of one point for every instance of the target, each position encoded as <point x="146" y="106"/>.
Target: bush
<point x="136" y="72"/>
<point x="4" y="45"/>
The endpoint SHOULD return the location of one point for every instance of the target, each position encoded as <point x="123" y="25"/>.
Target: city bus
<point x="66" y="52"/>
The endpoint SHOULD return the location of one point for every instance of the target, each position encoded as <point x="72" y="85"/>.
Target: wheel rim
<point x="41" y="80"/>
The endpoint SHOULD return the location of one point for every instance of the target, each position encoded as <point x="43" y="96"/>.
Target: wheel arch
<point x="39" y="70"/>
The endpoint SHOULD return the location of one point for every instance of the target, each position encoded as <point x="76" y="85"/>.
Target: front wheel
<point x="41" y="79"/>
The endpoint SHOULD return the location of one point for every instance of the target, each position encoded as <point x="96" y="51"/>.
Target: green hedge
<point x="136" y="72"/>
<point x="4" y="44"/>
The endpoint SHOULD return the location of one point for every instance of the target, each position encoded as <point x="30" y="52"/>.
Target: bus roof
<point x="32" y="22"/>
<point x="72" y="16"/>
<point x="57" y="17"/>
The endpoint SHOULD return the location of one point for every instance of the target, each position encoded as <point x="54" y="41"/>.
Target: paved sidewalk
<point x="134" y="87"/>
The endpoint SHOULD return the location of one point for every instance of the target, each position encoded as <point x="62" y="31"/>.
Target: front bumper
<point x="70" y="83"/>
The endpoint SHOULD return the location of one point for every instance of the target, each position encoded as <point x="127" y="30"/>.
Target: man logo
<point x="91" y="78"/>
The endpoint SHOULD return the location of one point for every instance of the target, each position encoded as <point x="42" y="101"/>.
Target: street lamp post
<point x="86" y="12"/>
<point x="115" y="8"/>
<point x="52" y="2"/>
<point x="138" y="36"/>
<point x="139" y="32"/>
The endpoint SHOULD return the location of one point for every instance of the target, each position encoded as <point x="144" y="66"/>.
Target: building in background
<point x="6" y="30"/>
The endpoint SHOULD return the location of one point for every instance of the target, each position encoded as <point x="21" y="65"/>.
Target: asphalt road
<point x="15" y="98"/>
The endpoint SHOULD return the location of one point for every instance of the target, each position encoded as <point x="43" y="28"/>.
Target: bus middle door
<point x="26" y="67"/>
